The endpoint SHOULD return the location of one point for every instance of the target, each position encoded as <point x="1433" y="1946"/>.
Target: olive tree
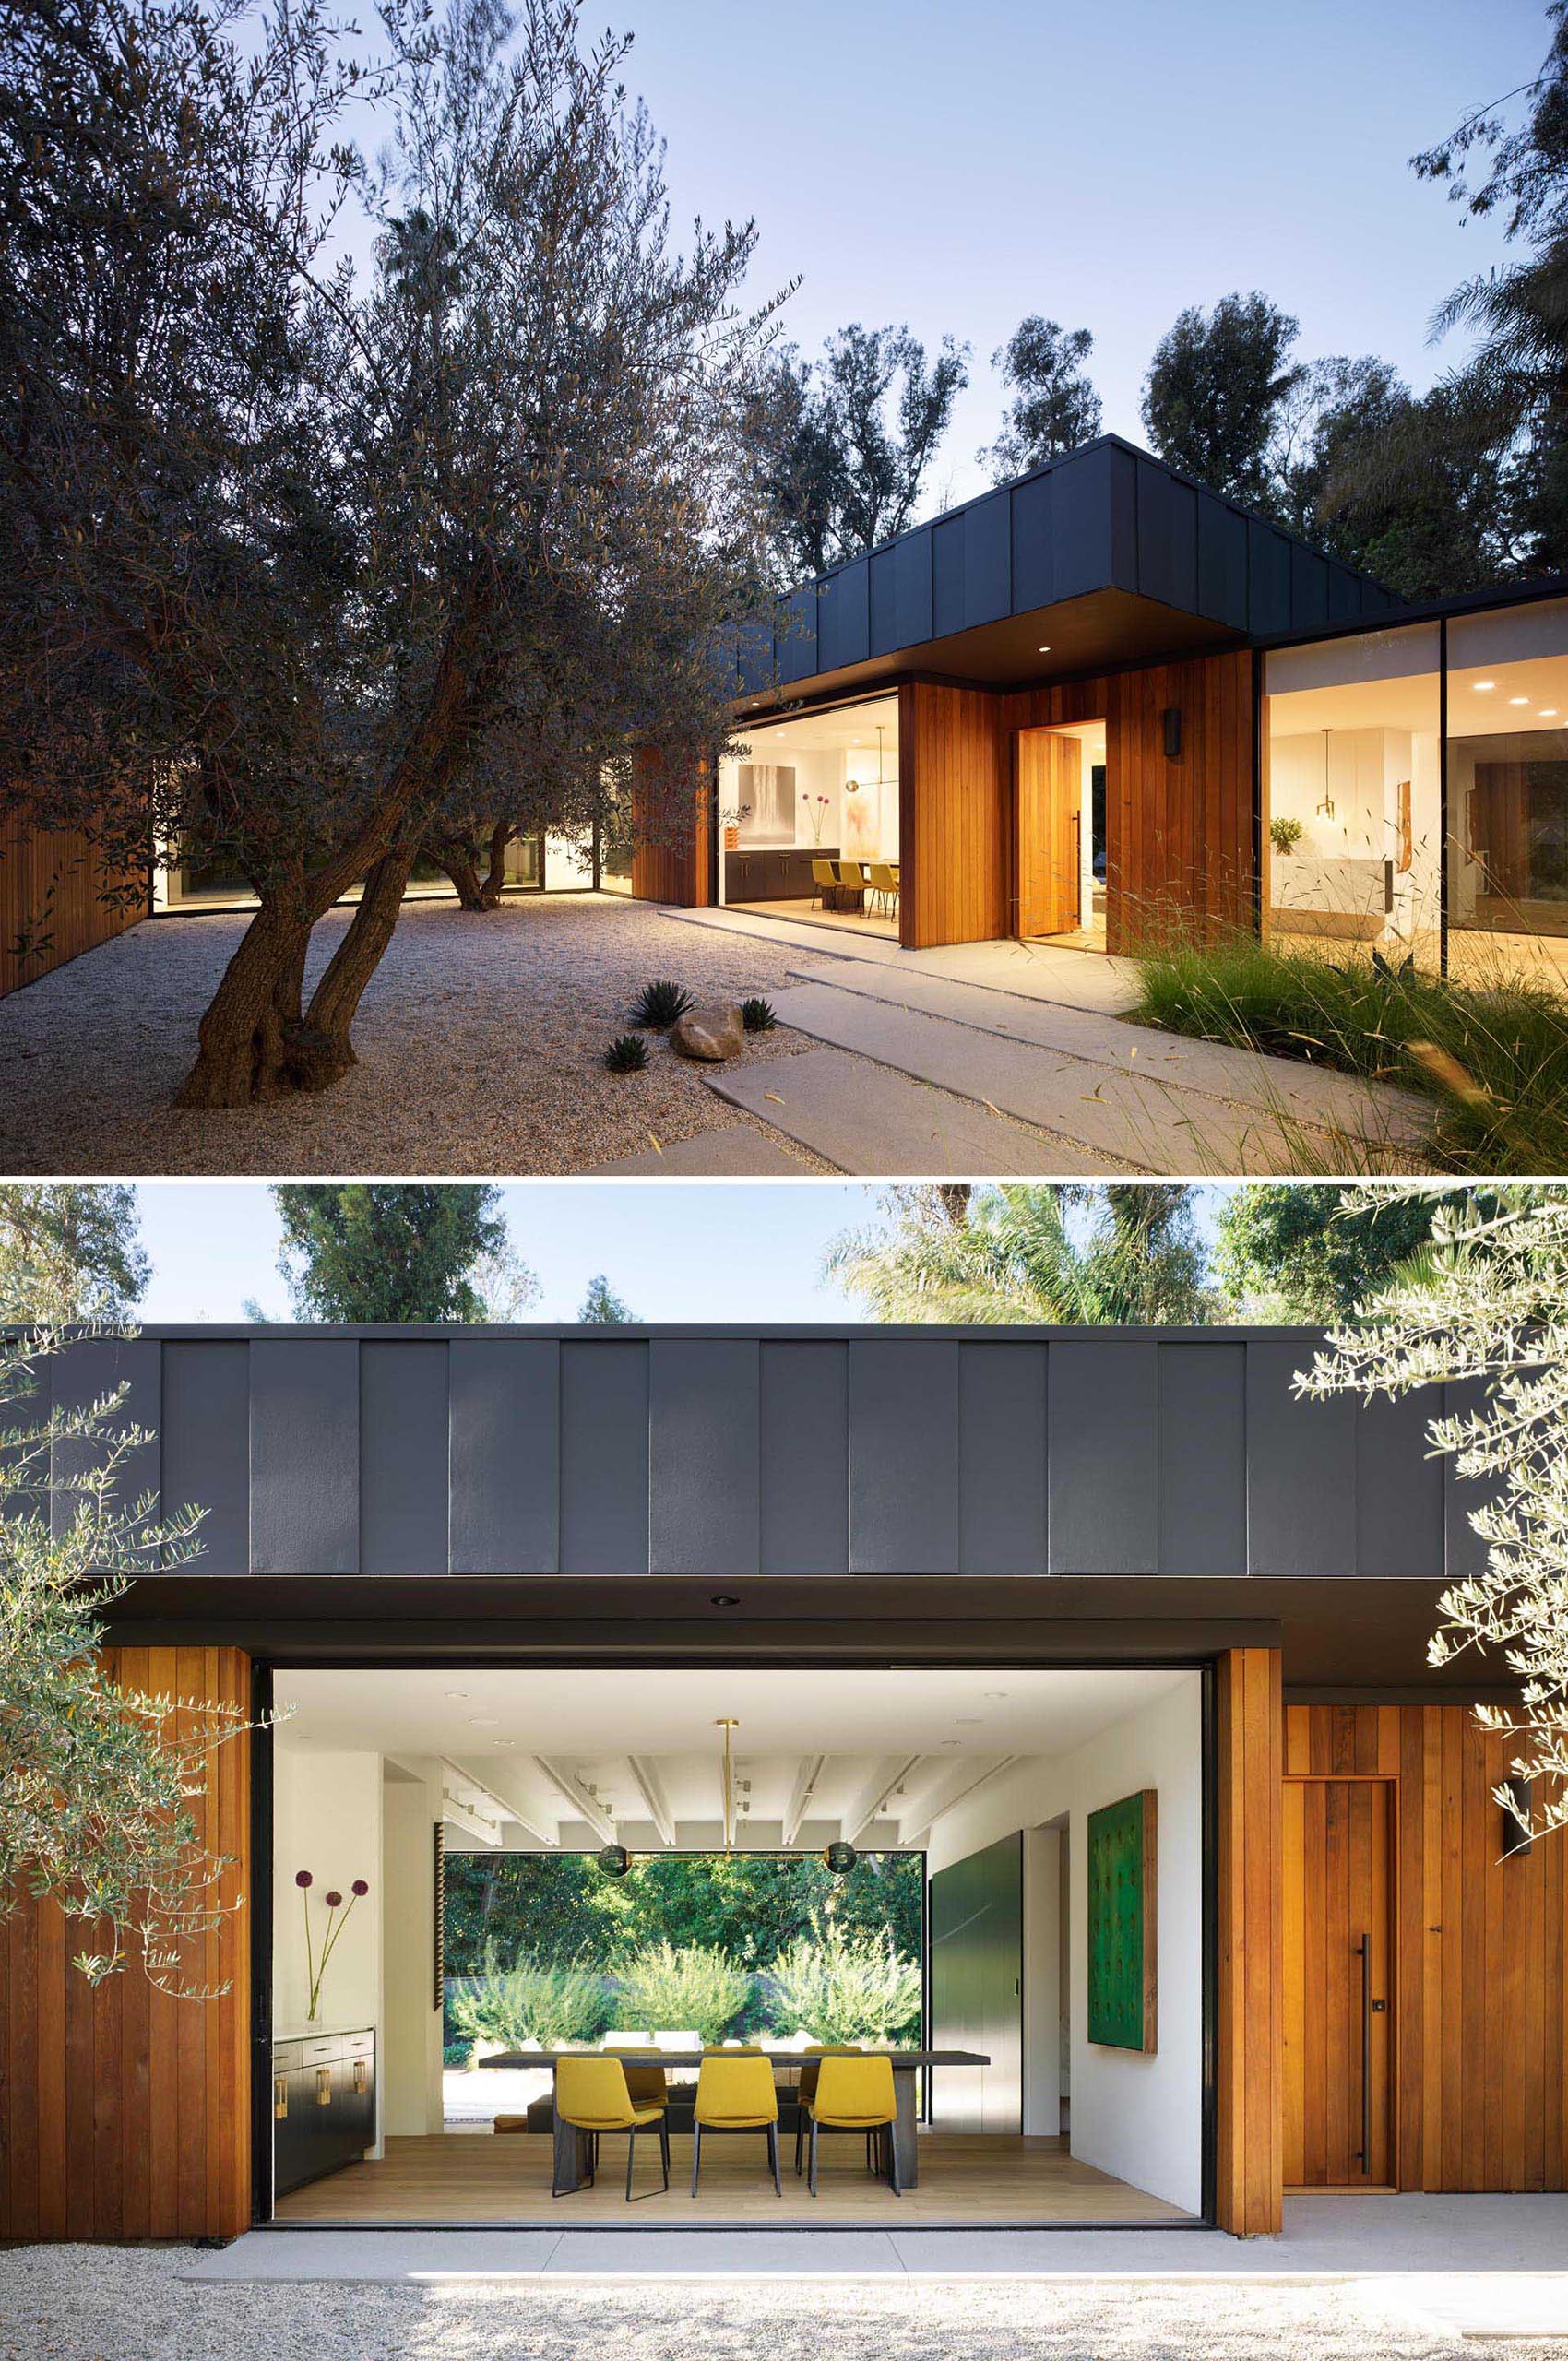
<point x="311" y="555"/>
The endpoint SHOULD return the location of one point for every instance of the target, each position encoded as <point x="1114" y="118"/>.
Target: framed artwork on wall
<point x="1123" y="1979"/>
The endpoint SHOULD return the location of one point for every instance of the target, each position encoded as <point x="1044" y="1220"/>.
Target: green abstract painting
<point x="1123" y="1989"/>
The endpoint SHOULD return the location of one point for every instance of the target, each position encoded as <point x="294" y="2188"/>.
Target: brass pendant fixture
<point x="728" y="1721"/>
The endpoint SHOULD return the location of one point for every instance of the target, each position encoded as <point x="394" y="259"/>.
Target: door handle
<point x="280" y="2098"/>
<point x="323" y="2086"/>
<point x="1367" y="2004"/>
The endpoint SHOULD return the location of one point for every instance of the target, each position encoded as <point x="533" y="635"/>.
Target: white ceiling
<point x="854" y="725"/>
<point x="860" y="1752"/>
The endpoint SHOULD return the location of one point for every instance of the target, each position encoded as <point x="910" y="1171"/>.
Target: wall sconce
<point x="1514" y="1838"/>
<point x="1172" y="718"/>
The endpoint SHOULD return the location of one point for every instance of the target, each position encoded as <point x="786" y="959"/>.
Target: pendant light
<point x="1326" y="808"/>
<point x="728" y="1721"/>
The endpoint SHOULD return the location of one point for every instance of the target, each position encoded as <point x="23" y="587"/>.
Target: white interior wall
<point x="1137" y="2117"/>
<point x="568" y="865"/>
<point x="410" y="2062"/>
<point x="327" y="1817"/>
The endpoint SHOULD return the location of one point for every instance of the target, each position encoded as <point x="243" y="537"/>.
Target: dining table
<point x="571" y="2145"/>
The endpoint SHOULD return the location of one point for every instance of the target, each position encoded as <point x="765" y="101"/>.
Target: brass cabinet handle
<point x="280" y="2098"/>
<point x="359" y="2074"/>
<point x="323" y="2086"/>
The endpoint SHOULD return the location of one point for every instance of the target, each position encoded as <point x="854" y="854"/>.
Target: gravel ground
<point x="478" y="1043"/>
<point x="119" y="2304"/>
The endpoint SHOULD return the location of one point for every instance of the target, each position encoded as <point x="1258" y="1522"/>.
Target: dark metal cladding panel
<point x="913" y="560"/>
<point x="1399" y="1489"/>
<point x="1465" y="1551"/>
<point x="882" y="577"/>
<point x="1203" y="1459"/>
<point x="305" y="1456"/>
<point x="1168" y="538"/>
<point x="404" y="1477"/>
<point x="704" y="1441"/>
<point x="1301" y="1469"/>
<point x="797" y="634"/>
<point x="1002" y="1459"/>
<point x="1080" y="523"/>
<point x="1222" y="561"/>
<point x="1033" y="567"/>
<point x="1344" y="594"/>
<point x="1104" y="1466"/>
<point x="843" y="618"/>
<point x="205" y="1442"/>
<point x="754" y="656"/>
<point x="1268" y="583"/>
<point x="903" y="1457"/>
<point x="948" y="567"/>
<point x="1122" y="490"/>
<point x="604" y="1463"/>
<point x="988" y="559"/>
<point x="503" y="1447"/>
<point x="85" y="1373"/>
<point x="804" y="1488"/>
<point x="1309" y="588"/>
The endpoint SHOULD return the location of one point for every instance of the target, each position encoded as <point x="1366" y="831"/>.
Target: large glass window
<point x="1352" y="804"/>
<point x="819" y="788"/>
<point x="1508" y="791"/>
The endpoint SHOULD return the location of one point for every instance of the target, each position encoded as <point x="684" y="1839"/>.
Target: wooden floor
<point x="803" y="912"/>
<point x="505" y="2177"/>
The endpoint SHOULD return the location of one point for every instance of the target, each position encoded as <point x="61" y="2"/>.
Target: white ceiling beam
<point x="891" y="1773"/>
<point x="965" y="1779"/>
<point x="801" y="1794"/>
<point x="583" y="1805"/>
<point x="525" y="1810"/>
<point x="646" y="1779"/>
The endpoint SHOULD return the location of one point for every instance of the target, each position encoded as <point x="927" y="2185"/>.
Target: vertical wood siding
<point x="670" y="851"/>
<point x="955" y="823"/>
<point x="126" y="2113"/>
<point x="51" y="888"/>
<point x="1482" y="1995"/>
<point x="1249" y="2062"/>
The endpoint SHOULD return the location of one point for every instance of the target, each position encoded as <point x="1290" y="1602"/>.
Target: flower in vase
<point x="303" y="1877"/>
<point x="332" y="1900"/>
<point x="359" y="1887"/>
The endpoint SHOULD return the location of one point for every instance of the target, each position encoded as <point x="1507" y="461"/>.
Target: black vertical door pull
<point x="1363" y="1951"/>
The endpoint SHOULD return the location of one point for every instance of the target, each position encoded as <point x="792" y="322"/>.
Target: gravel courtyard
<point x="108" y="2304"/>
<point x="478" y="1043"/>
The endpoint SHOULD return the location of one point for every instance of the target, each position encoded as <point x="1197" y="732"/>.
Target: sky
<point x="673" y="1250"/>
<point x="955" y="167"/>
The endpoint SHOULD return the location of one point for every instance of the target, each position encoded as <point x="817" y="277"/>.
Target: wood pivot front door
<point x="1338" y="1984"/>
<point x="1050" y="772"/>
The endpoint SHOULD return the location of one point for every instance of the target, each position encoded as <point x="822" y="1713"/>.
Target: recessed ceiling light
<point x="723" y="1598"/>
<point x="1045" y="650"/>
<point x="1481" y="686"/>
<point x="482" y="1720"/>
<point x="1518" y="700"/>
<point x="1548" y="713"/>
<point x="457" y="1692"/>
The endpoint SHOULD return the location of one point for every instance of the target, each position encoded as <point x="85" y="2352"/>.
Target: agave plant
<point x="626" y="1054"/>
<point x="757" y="1015"/>
<point x="660" y="1005"/>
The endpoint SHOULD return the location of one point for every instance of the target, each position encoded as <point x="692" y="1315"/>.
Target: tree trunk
<point x="500" y="837"/>
<point x="327" y="1050"/>
<point x="466" y="881"/>
<point x="247" y="1033"/>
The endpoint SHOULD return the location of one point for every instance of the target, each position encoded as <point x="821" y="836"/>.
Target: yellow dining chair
<point x="823" y="879"/>
<point x="644" y="2075"/>
<point x="883" y="882"/>
<point x="592" y="2095"/>
<point x="855" y="2094"/>
<point x="813" y="2052"/>
<point x="735" y="2092"/>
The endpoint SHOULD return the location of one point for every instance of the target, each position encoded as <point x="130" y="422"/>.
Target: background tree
<point x="1055" y="406"/>
<point x="358" y="1251"/>
<point x="1028" y="1251"/>
<point x="601" y="1307"/>
<point x="366" y="546"/>
<point x="69" y="1251"/>
<point x="846" y="443"/>
<point x="1490" y="1311"/>
<point x="1215" y="390"/>
<point x="1314" y="1251"/>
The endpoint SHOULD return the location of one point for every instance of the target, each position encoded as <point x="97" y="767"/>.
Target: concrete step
<point x="1114" y="1120"/>
<point x="868" y="1117"/>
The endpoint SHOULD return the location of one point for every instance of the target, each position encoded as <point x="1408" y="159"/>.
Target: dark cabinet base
<point x="777" y="873"/>
<point x="323" y="2106"/>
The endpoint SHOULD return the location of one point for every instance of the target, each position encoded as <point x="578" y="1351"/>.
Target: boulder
<point x="712" y="1034"/>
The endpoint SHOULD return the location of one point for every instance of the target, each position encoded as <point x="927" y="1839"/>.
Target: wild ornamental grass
<point x="1492" y="1056"/>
